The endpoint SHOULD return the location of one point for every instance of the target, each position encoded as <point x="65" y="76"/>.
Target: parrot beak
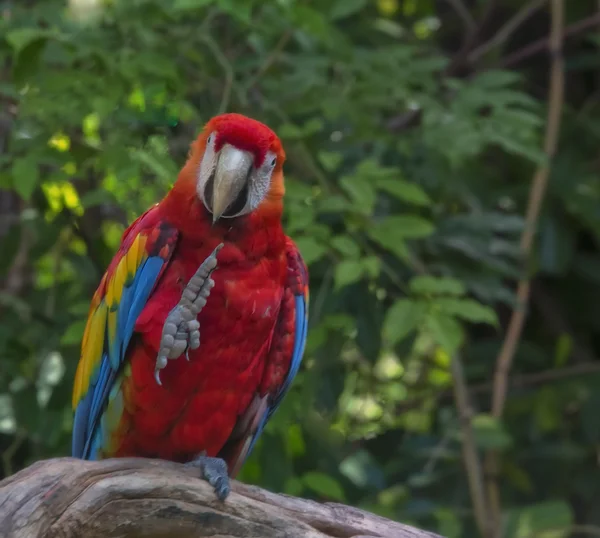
<point x="231" y="174"/>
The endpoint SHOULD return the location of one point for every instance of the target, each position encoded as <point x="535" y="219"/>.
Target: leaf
<point x="310" y="249"/>
<point x="511" y="145"/>
<point x="372" y="266"/>
<point x="489" y="433"/>
<point x="389" y="240"/>
<point x="161" y="166"/>
<point x="25" y="174"/>
<point x="346" y="246"/>
<point x="493" y="78"/>
<point x="185" y="5"/>
<point x="290" y="131"/>
<point x="333" y="204"/>
<point x="557" y="245"/>
<point x="549" y="519"/>
<point x="330" y="160"/>
<point x="360" y="192"/>
<point x="405" y="191"/>
<point x="590" y="418"/>
<point x="96" y="197"/>
<point x="450" y="524"/>
<point x="344" y="8"/>
<point x="547" y="409"/>
<point x="28" y="45"/>
<point x="564" y="348"/>
<point x="445" y="330"/>
<point x="74" y="333"/>
<point x="347" y="272"/>
<point x="489" y="220"/>
<point x="295" y="445"/>
<point x="362" y="470"/>
<point x="402" y="318"/>
<point x="392" y="232"/>
<point x="300" y="217"/>
<point x="468" y="310"/>
<point x="324" y="485"/>
<point x="426" y="284"/>
<point x="518" y="477"/>
<point x="27" y="60"/>
<point x="407" y="226"/>
<point x="23" y="37"/>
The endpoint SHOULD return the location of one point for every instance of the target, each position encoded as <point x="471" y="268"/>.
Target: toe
<point x="222" y="489"/>
<point x="214" y="471"/>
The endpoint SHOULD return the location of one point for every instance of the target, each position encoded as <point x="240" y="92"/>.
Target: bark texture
<point x="130" y="497"/>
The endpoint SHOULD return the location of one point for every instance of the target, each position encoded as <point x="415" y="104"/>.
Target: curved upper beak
<point x="231" y="174"/>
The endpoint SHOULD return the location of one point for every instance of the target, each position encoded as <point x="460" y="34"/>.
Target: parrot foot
<point x="214" y="471"/>
<point x="181" y="330"/>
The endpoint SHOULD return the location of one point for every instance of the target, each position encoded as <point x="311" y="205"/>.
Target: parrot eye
<point x="273" y="162"/>
<point x="210" y="139"/>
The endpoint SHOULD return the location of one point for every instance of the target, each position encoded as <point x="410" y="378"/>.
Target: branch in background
<point x="469" y="449"/>
<point x="522" y="381"/>
<point x="502" y="35"/>
<point x="464" y="14"/>
<point x="470" y="41"/>
<point x="545" y="43"/>
<point x="536" y="196"/>
<point x="12" y="449"/>
<point x="270" y="59"/>
<point x="404" y="121"/>
<point x="18" y="275"/>
<point x="135" y="497"/>
<point x="412" y="118"/>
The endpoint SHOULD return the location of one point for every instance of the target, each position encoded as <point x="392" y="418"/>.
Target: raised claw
<point x="181" y="330"/>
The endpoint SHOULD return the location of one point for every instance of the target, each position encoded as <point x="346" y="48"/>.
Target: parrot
<point x="198" y="326"/>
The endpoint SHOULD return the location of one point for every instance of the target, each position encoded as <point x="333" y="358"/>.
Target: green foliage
<point x="411" y="235"/>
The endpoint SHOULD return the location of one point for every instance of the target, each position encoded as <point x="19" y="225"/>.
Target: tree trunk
<point x="131" y="497"/>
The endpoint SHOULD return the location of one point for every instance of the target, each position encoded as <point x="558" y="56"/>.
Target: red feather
<point x="247" y="326"/>
<point x="246" y="134"/>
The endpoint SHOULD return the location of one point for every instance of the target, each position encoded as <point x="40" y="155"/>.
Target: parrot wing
<point x="146" y="249"/>
<point x="283" y="362"/>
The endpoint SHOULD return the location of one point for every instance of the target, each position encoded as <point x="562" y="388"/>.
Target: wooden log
<point x="135" y="497"/>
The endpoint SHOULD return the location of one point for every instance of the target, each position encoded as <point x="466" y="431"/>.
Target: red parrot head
<point x="235" y="166"/>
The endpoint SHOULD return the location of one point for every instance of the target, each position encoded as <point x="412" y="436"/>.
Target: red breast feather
<point x="200" y="401"/>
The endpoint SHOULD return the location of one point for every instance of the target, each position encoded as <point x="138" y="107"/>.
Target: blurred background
<point x="416" y="131"/>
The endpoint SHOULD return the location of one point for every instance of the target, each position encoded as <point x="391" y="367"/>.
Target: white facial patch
<point x="259" y="179"/>
<point x="207" y="166"/>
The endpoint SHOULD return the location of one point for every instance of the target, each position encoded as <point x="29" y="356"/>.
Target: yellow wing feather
<point x="91" y="351"/>
<point x="104" y="314"/>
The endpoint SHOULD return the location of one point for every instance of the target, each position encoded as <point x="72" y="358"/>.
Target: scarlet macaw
<point x="159" y="294"/>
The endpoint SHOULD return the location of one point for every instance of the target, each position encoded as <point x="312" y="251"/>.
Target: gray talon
<point x="181" y="330"/>
<point x="214" y="471"/>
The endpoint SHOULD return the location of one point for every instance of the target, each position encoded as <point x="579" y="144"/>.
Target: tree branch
<point x="543" y="44"/>
<point x="469" y="449"/>
<point x="134" y="497"/>
<point x="524" y="381"/>
<point x="502" y="35"/>
<point x="464" y="14"/>
<point x="536" y="196"/>
<point x="412" y="118"/>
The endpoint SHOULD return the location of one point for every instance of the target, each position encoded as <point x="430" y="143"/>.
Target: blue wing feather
<point x="88" y="431"/>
